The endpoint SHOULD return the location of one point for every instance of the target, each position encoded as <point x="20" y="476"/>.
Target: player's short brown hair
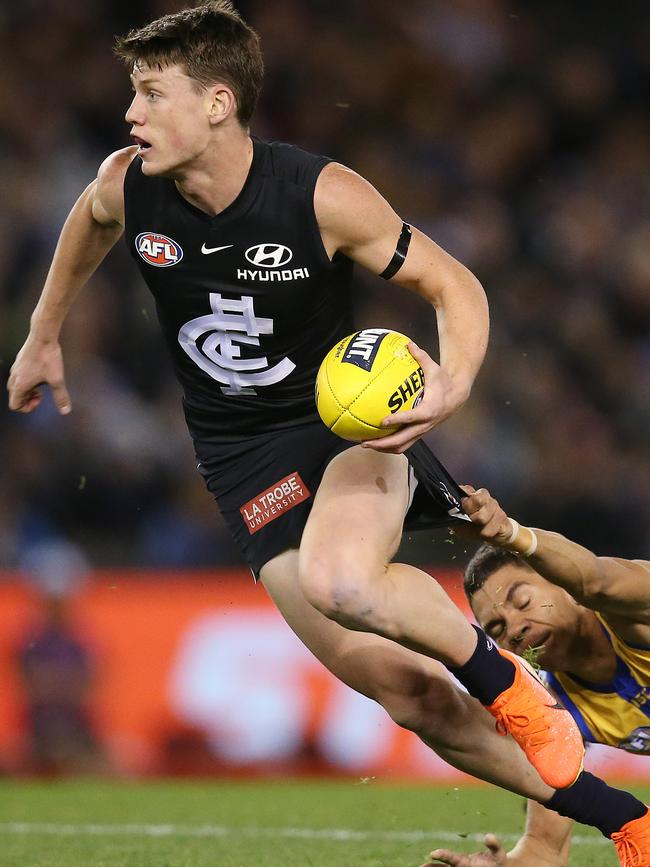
<point x="211" y="42"/>
<point x="484" y="563"/>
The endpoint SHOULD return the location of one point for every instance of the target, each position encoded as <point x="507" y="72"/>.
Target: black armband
<point x="400" y="253"/>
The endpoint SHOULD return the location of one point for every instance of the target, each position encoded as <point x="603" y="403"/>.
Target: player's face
<point x="169" y="119"/>
<point x="519" y="609"/>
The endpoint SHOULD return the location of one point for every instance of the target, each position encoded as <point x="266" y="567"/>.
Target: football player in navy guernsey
<point x="247" y="247"/>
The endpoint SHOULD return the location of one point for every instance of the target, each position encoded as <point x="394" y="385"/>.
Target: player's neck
<point x="214" y="181"/>
<point x="591" y="656"/>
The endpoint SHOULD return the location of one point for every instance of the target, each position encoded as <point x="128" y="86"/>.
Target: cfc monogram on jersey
<point x="248" y="300"/>
<point x="219" y="356"/>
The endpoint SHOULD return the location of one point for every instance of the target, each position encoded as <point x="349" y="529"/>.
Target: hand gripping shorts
<point x="265" y="485"/>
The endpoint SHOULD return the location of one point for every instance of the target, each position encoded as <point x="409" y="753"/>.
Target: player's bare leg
<point x="416" y="691"/>
<point x="345" y="560"/>
<point x="346" y="572"/>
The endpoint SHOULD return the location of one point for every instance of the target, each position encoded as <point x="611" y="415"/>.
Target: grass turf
<point x="267" y="824"/>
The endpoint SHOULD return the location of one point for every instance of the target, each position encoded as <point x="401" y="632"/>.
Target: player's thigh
<point x="358" y="511"/>
<point x="409" y="685"/>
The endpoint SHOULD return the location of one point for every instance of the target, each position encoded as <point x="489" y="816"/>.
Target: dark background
<point x="515" y="133"/>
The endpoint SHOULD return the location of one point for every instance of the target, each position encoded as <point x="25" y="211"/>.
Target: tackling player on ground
<point x="588" y="620"/>
<point x="209" y="213"/>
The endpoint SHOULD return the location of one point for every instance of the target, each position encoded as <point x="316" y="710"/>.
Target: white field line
<point x="432" y="837"/>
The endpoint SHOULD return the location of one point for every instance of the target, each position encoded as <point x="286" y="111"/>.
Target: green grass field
<point x="268" y="824"/>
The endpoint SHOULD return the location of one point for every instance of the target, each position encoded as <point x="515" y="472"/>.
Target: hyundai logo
<point x="269" y="255"/>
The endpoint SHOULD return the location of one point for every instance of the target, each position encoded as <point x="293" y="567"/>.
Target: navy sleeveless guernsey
<point x="248" y="300"/>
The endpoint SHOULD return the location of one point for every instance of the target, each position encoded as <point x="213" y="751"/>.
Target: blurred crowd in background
<point x="516" y="134"/>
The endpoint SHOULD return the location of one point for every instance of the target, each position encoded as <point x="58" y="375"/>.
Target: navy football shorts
<point x="265" y="485"/>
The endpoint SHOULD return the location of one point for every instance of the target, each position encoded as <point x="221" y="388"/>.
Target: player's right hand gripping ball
<point x="364" y="378"/>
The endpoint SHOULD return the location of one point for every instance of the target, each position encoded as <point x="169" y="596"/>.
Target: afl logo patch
<point x="158" y="250"/>
<point x="269" y="255"/>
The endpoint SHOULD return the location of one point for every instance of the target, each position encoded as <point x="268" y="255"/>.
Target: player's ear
<point x="221" y="103"/>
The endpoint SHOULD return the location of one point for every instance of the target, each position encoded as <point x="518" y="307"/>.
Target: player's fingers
<point x="61" y="397"/>
<point x="470" y="504"/>
<point x="480" y="513"/>
<point x="476" y="500"/>
<point x="31" y="401"/>
<point x="468" y="489"/>
<point x="446" y="856"/>
<point x="392" y="450"/>
<point x="398" y="442"/>
<point x="407" y="416"/>
<point x="24" y="401"/>
<point x="494" y="845"/>
<point x="496" y="528"/>
<point x="484" y="509"/>
<point x="424" y="359"/>
<point x="406" y="434"/>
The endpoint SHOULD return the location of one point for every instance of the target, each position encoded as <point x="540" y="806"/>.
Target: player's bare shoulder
<point x="108" y="192"/>
<point x="336" y="182"/>
<point x="352" y="214"/>
<point x="343" y="195"/>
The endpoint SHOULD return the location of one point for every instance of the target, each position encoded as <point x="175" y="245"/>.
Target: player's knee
<point x="343" y="590"/>
<point x="339" y="597"/>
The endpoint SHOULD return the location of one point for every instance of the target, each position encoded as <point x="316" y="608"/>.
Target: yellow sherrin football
<point x="364" y="378"/>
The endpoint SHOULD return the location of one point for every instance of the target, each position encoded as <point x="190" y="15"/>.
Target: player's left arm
<point x="613" y="586"/>
<point x="357" y="221"/>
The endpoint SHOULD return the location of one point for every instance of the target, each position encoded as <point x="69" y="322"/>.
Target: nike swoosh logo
<point x="208" y="250"/>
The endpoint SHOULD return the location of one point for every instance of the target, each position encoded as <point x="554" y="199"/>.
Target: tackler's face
<point x="520" y="610"/>
<point x="170" y="119"/>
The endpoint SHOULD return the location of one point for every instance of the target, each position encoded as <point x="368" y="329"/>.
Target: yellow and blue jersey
<point x="615" y="713"/>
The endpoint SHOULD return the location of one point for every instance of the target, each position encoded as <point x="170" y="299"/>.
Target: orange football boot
<point x="633" y="842"/>
<point x="543" y="729"/>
